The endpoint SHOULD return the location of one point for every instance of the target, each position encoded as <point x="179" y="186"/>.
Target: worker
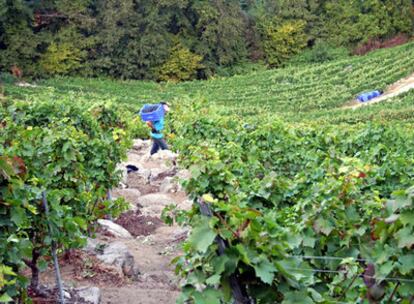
<point x="158" y="141"/>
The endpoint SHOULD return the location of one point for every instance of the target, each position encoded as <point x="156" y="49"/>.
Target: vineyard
<point x="65" y="154"/>
<point x="295" y="93"/>
<point x="309" y="214"/>
<point x="308" y="202"/>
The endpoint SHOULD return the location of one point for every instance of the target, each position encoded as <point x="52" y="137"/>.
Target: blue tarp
<point x="364" y="97"/>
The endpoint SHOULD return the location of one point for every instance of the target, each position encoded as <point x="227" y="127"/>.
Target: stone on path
<point x="131" y="195"/>
<point x="170" y="182"/>
<point x="140" y="144"/>
<point x="158" y="174"/>
<point x="180" y="233"/>
<point x="155" y="199"/>
<point x="153" y="204"/>
<point x="168" y="185"/>
<point x="91" y="295"/>
<point x="136" y="179"/>
<point x="91" y="245"/>
<point x="184" y="174"/>
<point x="146" y="173"/>
<point x="114" y="229"/>
<point x="134" y="159"/>
<point x="164" y="155"/>
<point x="186" y="204"/>
<point x="118" y="255"/>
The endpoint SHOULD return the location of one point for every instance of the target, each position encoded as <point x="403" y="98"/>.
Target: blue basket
<point x="368" y="96"/>
<point x="151" y="112"/>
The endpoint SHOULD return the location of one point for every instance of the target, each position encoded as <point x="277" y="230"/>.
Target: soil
<point x="87" y="267"/>
<point x="138" y="224"/>
<point x="147" y="189"/>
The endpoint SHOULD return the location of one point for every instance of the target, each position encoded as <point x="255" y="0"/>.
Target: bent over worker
<point x="158" y="141"/>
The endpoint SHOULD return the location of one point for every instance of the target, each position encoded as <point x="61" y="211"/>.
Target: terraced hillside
<point x="300" y="92"/>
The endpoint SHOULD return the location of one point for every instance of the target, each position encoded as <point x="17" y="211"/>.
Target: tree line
<point x="173" y="40"/>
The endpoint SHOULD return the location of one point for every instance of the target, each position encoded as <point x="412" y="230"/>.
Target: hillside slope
<point x="296" y="93"/>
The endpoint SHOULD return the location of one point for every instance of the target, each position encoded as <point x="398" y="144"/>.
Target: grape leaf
<point x="405" y="238"/>
<point x="202" y="235"/>
<point x="265" y="270"/>
<point x="5" y="298"/>
<point x="297" y="297"/>
<point x="214" y="279"/>
<point x="407" y="263"/>
<point x="323" y="225"/>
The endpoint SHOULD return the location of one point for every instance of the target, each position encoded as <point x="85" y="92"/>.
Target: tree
<point x="401" y="13"/>
<point x="66" y="29"/>
<point x="30" y="30"/>
<point x="132" y="42"/>
<point x="18" y="43"/>
<point x="219" y="29"/>
<point x="181" y="65"/>
<point x="282" y="42"/>
<point x="134" y="38"/>
<point x="350" y="22"/>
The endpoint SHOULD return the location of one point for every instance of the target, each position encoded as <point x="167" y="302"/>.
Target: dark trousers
<point x="157" y="144"/>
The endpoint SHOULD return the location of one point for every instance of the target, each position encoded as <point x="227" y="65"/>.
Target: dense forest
<point x="173" y="40"/>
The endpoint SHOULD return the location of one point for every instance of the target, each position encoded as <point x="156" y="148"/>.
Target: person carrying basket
<point x="154" y="117"/>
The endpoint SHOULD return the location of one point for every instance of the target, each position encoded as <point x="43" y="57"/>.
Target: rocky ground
<point x="129" y="260"/>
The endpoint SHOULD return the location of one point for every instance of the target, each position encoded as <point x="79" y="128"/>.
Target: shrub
<point x="181" y="65"/>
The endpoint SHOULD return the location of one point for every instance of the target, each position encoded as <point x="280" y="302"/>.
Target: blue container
<point x="368" y="96"/>
<point x="152" y="112"/>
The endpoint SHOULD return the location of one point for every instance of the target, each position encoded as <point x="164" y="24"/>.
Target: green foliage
<point x="132" y="42"/>
<point x="219" y="30"/>
<point x="320" y="53"/>
<point x="281" y="42"/>
<point x="68" y="151"/>
<point x="61" y="59"/>
<point x="296" y="93"/>
<point x="280" y="192"/>
<point x="7" y="78"/>
<point x="137" y="41"/>
<point x="241" y="68"/>
<point x="18" y="44"/>
<point x="326" y="181"/>
<point x="353" y="22"/>
<point x="181" y="65"/>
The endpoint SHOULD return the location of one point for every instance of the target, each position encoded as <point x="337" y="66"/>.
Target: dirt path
<point x="152" y="253"/>
<point x="152" y="245"/>
<point x="401" y="86"/>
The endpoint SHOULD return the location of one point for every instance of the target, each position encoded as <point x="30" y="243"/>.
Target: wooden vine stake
<point x="54" y="249"/>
